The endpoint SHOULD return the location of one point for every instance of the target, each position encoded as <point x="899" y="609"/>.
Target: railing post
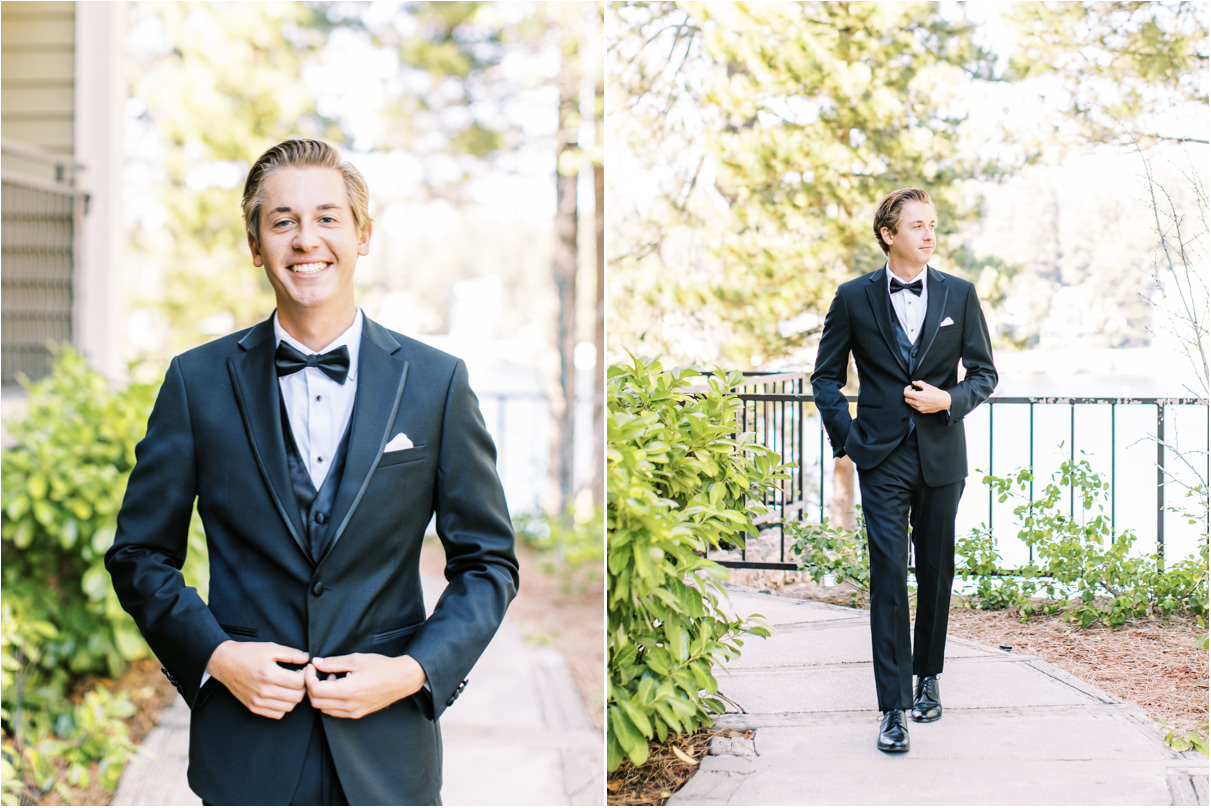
<point x="1160" y="485"/>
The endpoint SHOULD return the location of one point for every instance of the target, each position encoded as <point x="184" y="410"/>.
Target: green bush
<point x="1085" y="563"/>
<point x="680" y="481"/>
<point x="64" y="477"/>
<point x="827" y="551"/>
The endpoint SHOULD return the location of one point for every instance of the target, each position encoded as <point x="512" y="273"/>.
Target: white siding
<point x="37" y="76"/>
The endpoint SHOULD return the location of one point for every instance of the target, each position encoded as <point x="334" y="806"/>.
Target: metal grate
<point x="38" y="253"/>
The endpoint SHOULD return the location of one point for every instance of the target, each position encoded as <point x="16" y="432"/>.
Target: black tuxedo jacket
<point x="861" y="322"/>
<point x="215" y="434"/>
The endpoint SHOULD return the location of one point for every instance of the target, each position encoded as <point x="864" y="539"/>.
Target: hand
<point x="371" y="682"/>
<point x="251" y="672"/>
<point x="926" y="398"/>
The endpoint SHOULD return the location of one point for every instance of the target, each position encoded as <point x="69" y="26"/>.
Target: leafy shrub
<point x="1080" y="554"/>
<point x="64" y="478"/>
<point x="977" y="558"/>
<point x="826" y="551"/>
<point x="680" y="481"/>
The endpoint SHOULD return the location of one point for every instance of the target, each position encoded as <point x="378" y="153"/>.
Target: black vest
<point x="908" y="350"/>
<point x="315" y="507"/>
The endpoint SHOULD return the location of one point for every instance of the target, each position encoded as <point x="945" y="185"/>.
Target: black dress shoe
<point x="927" y="706"/>
<point x="893" y="732"/>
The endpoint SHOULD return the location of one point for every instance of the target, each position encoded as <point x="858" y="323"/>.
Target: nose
<point x="305" y="237"/>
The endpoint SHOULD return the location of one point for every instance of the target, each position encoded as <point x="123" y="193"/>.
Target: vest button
<point x="317" y="588"/>
<point x="321" y="517"/>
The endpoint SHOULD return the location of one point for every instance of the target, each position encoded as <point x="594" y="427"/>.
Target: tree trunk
<point x="563" y="404"/>
<point x="841" y="511"/>
<point x="599" y="338"/>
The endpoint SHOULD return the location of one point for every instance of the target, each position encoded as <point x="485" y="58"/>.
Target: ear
<point x="257" y="260"/>
<point x="888" y="236"/>
<point x="363" y="242"/>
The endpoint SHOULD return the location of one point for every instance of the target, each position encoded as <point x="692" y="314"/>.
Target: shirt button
<point x="319" y="398"/>
<point x="319" y="460"/>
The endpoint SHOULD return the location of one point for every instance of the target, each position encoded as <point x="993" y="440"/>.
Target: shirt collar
<point x="351" y="338"/>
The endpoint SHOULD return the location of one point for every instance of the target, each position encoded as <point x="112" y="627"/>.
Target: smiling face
<point x="309" y="243"/>
<point x="911" y="246"/>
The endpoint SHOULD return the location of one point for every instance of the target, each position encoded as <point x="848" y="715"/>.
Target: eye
<point x="328" y="219"/>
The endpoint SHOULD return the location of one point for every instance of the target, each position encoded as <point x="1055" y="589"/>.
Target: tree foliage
<point x="1120" y="64"/>
<point x="784" y="124"/>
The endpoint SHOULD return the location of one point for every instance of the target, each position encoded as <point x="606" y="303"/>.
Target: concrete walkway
<point x="518" y="735"/>
<point x="1015" y="729"/>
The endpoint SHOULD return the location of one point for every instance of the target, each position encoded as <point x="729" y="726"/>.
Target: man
<point x="907" y="326"/>
<point x="317" y="444"/>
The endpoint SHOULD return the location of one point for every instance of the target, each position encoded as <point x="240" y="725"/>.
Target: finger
<point x="284" y="653"/>
<point x="284" y="678"/>
<point x="336" y="664"/>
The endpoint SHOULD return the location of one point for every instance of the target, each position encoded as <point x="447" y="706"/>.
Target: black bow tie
<point x="335" y="363"/>
<point x="914" y="287"/>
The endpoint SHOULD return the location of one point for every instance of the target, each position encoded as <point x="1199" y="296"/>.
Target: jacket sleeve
<point x="477" y="534"/>
<point x="981" y="375"/>
<point x="832" y="372"/>
<point x="151" y="542"/>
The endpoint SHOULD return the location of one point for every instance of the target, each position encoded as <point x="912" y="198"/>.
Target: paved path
<point x="518" y="735"/>
<point x="1015" y="729"/>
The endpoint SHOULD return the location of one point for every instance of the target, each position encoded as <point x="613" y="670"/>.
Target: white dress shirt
<point x="910" y="308"/>
<point x="318" y="407"/>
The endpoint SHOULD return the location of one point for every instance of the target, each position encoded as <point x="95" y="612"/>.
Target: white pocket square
<point x="946" y="322"/>
<point x="399" y="442"/>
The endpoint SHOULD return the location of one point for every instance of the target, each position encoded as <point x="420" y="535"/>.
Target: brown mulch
<point x="665" y="770"/>
<point x="1156" y="662"/>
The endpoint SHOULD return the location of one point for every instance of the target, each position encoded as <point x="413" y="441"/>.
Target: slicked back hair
<point x="888" y="213"/>
<point x="297" y="152"/>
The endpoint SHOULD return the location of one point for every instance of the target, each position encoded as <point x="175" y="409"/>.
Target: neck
<point x="904" y="272"/>
<point x="316" y="330"/>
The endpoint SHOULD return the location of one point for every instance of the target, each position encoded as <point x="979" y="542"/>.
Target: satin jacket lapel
<point x="381" y="373"/>
<point x="880" y="303"/>
<point x="938" y="293"/>
<point x="259" y="399"/>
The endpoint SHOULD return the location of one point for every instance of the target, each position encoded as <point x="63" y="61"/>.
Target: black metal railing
<point x="42" y="209"/>
<point x="779" y="410"/>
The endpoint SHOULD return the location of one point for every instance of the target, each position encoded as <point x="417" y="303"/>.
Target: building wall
<point x="38" y="74"/>
<point x="61" y="115"/>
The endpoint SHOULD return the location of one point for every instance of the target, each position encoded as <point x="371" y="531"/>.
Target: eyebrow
<point x="325" y="206"/>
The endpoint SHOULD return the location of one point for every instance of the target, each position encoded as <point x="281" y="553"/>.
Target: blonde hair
<point x="888" y="213"/>
<point x="302" y="152"/>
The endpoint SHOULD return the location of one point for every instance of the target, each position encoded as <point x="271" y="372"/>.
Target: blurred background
<point x="128" y="129"/>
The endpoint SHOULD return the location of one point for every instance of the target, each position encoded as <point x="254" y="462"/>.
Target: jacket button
<point x="317" y="588"/>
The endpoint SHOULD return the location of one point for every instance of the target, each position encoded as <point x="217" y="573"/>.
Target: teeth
<point x="308" y="269"/>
